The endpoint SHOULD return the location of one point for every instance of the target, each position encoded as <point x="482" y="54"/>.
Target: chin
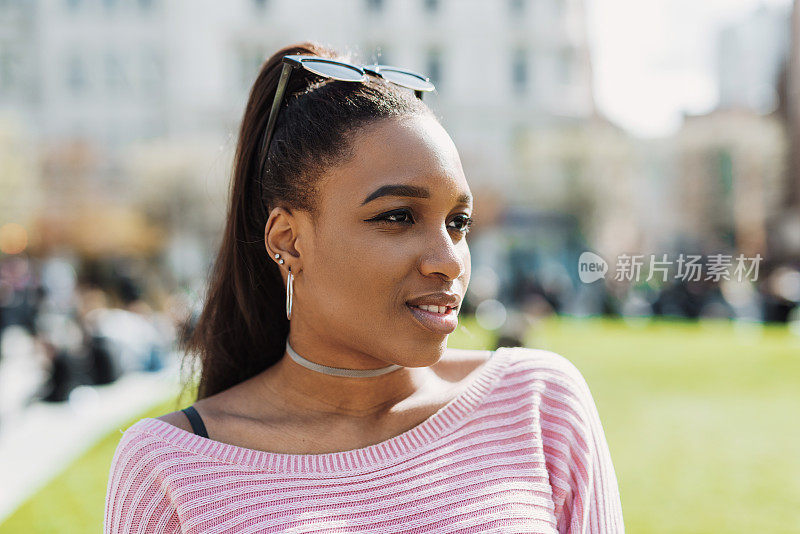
<point x="422" y="353"/>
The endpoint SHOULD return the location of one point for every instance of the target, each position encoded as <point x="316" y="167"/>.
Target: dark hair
<point x="243" y="327"/>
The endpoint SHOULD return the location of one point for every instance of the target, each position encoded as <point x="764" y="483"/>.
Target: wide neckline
<point x="353" y="460"/>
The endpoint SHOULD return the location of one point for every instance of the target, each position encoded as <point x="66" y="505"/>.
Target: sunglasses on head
<point x="339" y="70"/>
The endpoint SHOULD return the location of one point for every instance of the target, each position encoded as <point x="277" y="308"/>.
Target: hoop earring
<point x="289" y="294"/>
<point x="289" y="288"/>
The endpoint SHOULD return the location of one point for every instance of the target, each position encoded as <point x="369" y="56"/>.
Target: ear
<point x="281" y="234"/>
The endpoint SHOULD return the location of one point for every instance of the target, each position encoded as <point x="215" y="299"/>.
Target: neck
<point x="298" y="389"/>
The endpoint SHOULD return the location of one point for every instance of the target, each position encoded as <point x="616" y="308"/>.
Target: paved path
<point x="40" y="442"/>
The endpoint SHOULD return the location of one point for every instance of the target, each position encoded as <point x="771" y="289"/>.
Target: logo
<point x="591" y="267"/>
<point x="686" y="268"/>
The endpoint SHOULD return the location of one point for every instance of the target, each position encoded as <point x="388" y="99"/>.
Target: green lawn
<point x="74" y="501"/>
<point x="700" y="419"/>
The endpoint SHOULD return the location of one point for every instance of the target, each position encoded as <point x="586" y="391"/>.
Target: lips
<point x="442" y="298"/>
<point x="439" y="323"/>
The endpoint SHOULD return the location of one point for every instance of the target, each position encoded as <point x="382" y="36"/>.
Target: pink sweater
<point x="521" y="450"/>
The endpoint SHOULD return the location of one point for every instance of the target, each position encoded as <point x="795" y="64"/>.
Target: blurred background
<point x="657" y="129"/>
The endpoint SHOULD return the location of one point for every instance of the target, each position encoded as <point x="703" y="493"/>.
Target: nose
<point x="442" y="256"/>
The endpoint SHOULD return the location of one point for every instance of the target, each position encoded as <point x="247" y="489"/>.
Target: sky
<point x="653" y="59"/>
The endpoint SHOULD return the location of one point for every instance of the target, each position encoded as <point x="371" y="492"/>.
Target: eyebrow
<point x="404" y="190"/>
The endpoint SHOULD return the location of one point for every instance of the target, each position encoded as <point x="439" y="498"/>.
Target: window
<point x="520" y="138"/>
<point x="724" y="168"/>
<point x="516" y="7"/>
<point x="558" y="9"/>
<point x="519" y="70"/>
<point x="76" y="74"/>
<point x="116" y="80"/>
<point x="431" y="6"/>
<point x="8" y="68"/>
<point x="377" y="54"/>
<point x="565" y="65"/>
<point x="375" y="5"/>
<point x="152" y="73"/>
<point x="433" y="67"/>
<point x="249" y="59"/>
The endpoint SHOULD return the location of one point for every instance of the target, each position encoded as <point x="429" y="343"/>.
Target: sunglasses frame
<point x="295" y="61"/>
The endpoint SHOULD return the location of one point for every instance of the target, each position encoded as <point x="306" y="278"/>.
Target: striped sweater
<point x="520" y="450"/>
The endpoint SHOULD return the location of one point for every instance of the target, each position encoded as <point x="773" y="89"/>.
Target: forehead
<point x="407" y="150"/>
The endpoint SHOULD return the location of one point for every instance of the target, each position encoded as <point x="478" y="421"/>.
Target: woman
<point x="328" y="400"/>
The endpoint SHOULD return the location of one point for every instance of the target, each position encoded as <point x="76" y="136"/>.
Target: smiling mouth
<point x="441" y="310"/>
<point x="440" y="322"/>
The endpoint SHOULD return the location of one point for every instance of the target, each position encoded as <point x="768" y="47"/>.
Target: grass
<point x="700" y="419"/>
<point x="73" y="502"/>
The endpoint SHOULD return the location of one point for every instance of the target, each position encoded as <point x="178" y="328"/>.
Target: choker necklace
<point x="338" y="371"/>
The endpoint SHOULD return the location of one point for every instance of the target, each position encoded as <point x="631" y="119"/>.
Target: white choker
<point x="339" y="371"/>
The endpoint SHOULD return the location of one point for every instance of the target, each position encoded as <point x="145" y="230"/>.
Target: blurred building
<point x="88" y="82"/>
<point x="786" y="223"/>
<point x="88" y="70"/>
<point x="731" y="169"/>
<point x="139" y="102"/>
<point x="20" y="193"/>
<point x="610" y="182"/>
<point x="19" y="84"/>
<point x="750" y="55"/>
<point x="500" y="68"/>
<point x="733" y="174"/>
<point x="113" y="72"/>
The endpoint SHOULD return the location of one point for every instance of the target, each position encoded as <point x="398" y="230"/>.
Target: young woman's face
<point x="370" y="255"/>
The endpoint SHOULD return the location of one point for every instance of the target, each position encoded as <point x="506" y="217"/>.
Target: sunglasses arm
<point x="276" y="104"/>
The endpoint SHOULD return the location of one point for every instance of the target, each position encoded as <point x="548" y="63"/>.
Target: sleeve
<point x="135" y="499"/>
<point x="582" y="477"/>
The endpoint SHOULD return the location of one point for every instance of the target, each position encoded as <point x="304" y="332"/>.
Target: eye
<point x="465" y="223"/>
<point x="397" y="216"/>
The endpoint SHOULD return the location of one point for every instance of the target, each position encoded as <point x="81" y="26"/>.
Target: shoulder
<point x="135" y="493"/>
<point x="458" y="363"/>
<point x="547" y="366"/>
<point x="135" y="442"/>
<point x="178" y="419"/>
<point x="542" y="361"/>
<point x="147" y="443"/>
<point x="148" y="450"/>
<point x="136" y="458"/>
<point x="549" y="370"/>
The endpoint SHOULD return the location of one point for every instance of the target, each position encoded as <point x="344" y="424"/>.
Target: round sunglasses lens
<point x="405" y="79"/>
<point x="334" y="70"/>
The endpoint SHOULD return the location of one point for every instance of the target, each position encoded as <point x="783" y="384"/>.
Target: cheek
<point x="466" y="258"/>
<point x="360" y="272"/>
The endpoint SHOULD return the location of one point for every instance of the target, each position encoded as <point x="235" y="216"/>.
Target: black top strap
<point x="197" y="422"/>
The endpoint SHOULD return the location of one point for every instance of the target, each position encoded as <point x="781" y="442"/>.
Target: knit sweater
<point x="520" y="450"/>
